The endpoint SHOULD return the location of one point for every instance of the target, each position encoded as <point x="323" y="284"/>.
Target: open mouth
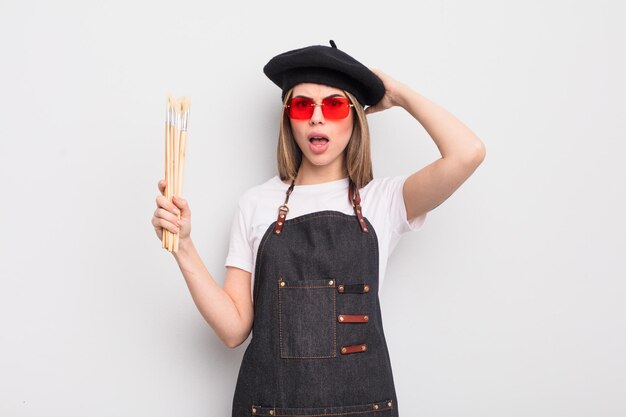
<point x="318" y="143"/>
<point x="318" y="140"/>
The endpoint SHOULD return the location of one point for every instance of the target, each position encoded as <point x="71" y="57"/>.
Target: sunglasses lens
<point x="335" y="107"/>
<point x="300" y="108"/>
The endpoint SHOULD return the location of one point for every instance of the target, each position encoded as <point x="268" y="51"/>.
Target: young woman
<point x="309" y="247"/>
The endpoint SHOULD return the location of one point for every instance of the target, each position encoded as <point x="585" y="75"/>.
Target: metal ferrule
<point x="185" y="120"/>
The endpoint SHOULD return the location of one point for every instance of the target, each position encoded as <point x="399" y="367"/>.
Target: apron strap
<point x="283" y="209"/>
<point x="355" y="199"/>
<point x="353" y="196"/>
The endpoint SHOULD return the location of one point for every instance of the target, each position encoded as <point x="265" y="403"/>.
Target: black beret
<point x="325" y="65"/>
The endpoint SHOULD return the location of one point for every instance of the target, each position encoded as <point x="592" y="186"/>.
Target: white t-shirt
<point x="381" y="201"/>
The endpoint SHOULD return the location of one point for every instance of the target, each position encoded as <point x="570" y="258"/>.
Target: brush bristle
<point x="185" y="104"/>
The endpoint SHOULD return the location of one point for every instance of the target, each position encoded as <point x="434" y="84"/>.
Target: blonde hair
<point x="357" y="155"/>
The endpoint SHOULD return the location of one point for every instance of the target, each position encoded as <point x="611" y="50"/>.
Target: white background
<point x="510" y="300"/>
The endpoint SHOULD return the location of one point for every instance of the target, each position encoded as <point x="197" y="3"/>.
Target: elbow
<point x="232" y="344"/>
<point x="475" y="155"/>
<point x="234" y="341"/>
<point x="481" y="152"/>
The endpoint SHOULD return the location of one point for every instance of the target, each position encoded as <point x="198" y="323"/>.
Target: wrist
<point x="403" y="95"/>
<point x="185" y="246"/>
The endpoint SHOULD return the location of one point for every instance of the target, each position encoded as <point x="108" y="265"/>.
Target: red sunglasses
<point x="334" y="108"/>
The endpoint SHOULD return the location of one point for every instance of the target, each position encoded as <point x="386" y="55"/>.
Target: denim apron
<point x="317" y="346"/>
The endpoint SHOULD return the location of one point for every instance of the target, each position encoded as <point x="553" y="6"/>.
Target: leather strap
<point x="353" y="196"/>
<point x="353" y="288"/>
<point x="283" y="210"/>
<point x="346" y="350"/>
<point x="353" y="318"/>
<point x="355" y="200"/>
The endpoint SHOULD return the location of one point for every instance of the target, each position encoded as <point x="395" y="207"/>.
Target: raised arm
<point x="461" y="150"/>
<point x="228" y="310"/>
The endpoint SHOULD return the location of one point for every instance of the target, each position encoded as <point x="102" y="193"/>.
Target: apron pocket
<point x="307" y="315"/>
<point x="379" y="409"/>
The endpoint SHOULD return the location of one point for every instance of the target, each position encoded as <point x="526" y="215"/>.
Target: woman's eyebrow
<point x="330" y="96"/>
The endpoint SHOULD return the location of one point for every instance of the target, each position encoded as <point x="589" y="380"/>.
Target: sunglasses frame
<point x="313" y="104"/>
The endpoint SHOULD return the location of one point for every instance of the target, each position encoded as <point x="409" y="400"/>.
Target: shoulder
<point x="384" y="186"/>
<point x="252" y="196"/>
<point x="384" y="201"/>
<point x="382" y="194"/>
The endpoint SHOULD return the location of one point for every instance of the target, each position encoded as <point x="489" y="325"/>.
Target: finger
<point x="163" y="202"/>
<point x="372" y="109"/>
<point x="164" y="224"/>
<point x="158" y="231"/>
<point x="166" y="215"/>
<point x="182" y="204"/>
<point x="161" y="185"/>
<point x="376" y="71"/>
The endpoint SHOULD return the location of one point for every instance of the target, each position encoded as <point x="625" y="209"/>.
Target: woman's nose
<point x="318" y="116"/>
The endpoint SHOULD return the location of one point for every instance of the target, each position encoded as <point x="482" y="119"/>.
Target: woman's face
<point x="322" y="141"/>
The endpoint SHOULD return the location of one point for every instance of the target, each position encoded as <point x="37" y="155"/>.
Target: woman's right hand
<point x="174" y="215"/>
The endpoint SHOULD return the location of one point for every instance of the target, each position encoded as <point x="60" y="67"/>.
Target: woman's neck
<point x="311" y="174"/>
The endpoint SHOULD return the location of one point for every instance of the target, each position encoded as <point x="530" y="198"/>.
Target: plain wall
<point x="510" y="300"/>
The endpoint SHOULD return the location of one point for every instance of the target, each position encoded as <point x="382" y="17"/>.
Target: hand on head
<point x="388" y="100"/>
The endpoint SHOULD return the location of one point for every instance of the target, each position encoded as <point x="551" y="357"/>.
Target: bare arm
<point x="461" y="150"/>
<point x="228" y="310"/>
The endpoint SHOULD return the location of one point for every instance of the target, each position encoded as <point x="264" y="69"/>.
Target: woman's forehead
<point x="316" y="90"/>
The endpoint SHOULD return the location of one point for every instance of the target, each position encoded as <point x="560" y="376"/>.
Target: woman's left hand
<point x="392" y="89"/>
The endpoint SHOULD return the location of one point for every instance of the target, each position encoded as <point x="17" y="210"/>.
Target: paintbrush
<point x="176" y="121"/>
<point x="168" y="135"/>
<point x="182" y="153"/>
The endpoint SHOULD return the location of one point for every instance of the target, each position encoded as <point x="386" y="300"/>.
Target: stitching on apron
<point x="334" y="325"/>
<point x="326" y="415"/>
<point x="369" y="411"/>
<point x="299" y="219"/>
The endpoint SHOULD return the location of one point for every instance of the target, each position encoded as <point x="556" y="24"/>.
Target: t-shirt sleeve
<point x="240" y="246"/>
<point x="397" y="210"/>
